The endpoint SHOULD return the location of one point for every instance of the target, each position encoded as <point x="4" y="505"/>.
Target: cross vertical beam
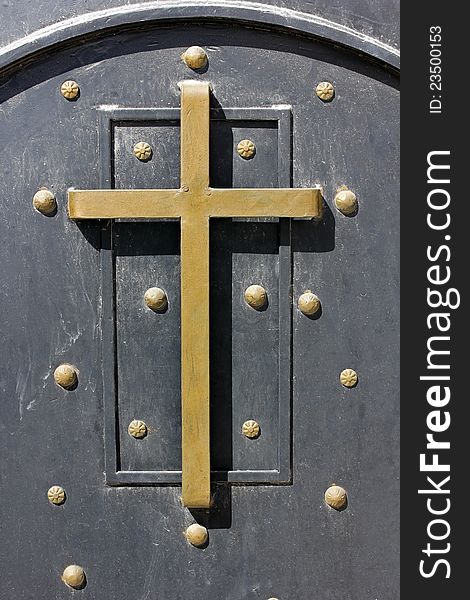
<point x="194" y="134"/>
<point x="195" y="381"/>
<point x="195" y="203"/>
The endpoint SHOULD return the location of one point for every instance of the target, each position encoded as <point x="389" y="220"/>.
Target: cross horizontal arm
<point x="124" y="204"/>
<point x="270" y="202"/>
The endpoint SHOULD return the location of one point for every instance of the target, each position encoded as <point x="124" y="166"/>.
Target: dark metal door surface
<point x="303" y="407"/>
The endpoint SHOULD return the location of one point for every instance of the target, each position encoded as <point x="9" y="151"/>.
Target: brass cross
<point x="194" y="203"/>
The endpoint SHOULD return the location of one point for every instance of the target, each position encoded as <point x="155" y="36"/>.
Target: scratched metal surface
<point x="265" y="541"/>
<point x="377" y="18"/>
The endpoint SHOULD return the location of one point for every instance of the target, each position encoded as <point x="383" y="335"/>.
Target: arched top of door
<point x="252" y="14"/>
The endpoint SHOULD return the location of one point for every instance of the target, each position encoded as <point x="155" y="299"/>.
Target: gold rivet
<point x="195" y="57"/>
<point x="346" y="201"/>
<point x="309" y="303"/>
<point x="336" y="497"/>
<point x="156" y="299"/>
<point x="56" y="494"/>
<point x="66" y="376"/>
<point x="70" y="89"/>
<point x="44" y="202"/>
<point x="74" y="576"/>
<point x="348" y="378"/>
<point x="246" y="149"/>
<point x="251" y="429"/>
<point x="137" y="429"/>
<point x="325" y="91"/>
<point x="255" y="296"/>
<point x="143" y="151"/>
<point x="196" y="534"/>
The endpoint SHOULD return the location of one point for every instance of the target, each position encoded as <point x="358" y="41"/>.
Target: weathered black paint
<point x="265" y="540"/>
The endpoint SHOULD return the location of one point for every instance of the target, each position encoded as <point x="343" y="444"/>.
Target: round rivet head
<point x="143" y="151"/>
<point x="156" y="299"/>
<point x="255" y="296"/>
<point x="309" y="303"/>
<point x="137" y="429"/>
<point x="66" y="376"/>
<point x="325" y="91"/>
<point x="74" y="576"/>
<point x="195" y="57"/>
<point x="336" y="497"/>
<point x="197" y="535"/>
<point x="348" y="378"/>
<point x="44" y="202"/>
<point x="246" y="149"/>
<point x="70" y="89"/>
<point x="251" y="429"/>
<point x="56" y="495"/>
<point x="346" y="202"/>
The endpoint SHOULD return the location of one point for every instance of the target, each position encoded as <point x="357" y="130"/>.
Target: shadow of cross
<point x="195" y="203"/>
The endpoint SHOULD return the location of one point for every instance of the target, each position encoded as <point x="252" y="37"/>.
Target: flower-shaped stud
<point x="143" y="151"/>
<point x="70" y="89"/>
<point x="336" y="497"/>
<point x="309" y="303"/>
<point x="325" y="91"/>
<point x="246" y="149"/>
<point x="348" y="378"/>
<point x="137" y="429"/>
<point x="251" y="429"/>
<point x="56" y="495"/>
<point x="66" y="376"/>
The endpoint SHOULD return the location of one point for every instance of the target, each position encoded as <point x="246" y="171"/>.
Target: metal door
<point x="303" y="382"/>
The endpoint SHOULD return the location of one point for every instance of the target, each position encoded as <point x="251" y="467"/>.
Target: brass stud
<point x="246" y="149"/>
<point x="346" y="201"/>
<point x="308" y="303"/>
<point x="251" y="429"/>
<point x="44" y="202"/>
<point x="325" y="91"/>
<point x="66" y="376"/>
<point x="197" y="535"/>
<point x="348" y="378"/>
<point x="137" y="429"/>
<point x="143" y="151"/>
<point x="156" y="299"/>
<point x="195" y="58"/>
<point x="70" y="89"/>
<point x="74" y="576"/>
<point x="255" y="296"/>
<point x="336" y="497"/>
<point x="56" y="495"/>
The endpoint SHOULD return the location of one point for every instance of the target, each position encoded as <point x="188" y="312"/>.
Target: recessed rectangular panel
<point x="148" y="345"/>
<point x="229" y="169"/>
<point x="250" y="350"/>
<point x="245" y="345"/>
<point x="161" y="170"/>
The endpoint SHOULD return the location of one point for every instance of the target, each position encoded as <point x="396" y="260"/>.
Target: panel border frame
<point x="114" y="476"/>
